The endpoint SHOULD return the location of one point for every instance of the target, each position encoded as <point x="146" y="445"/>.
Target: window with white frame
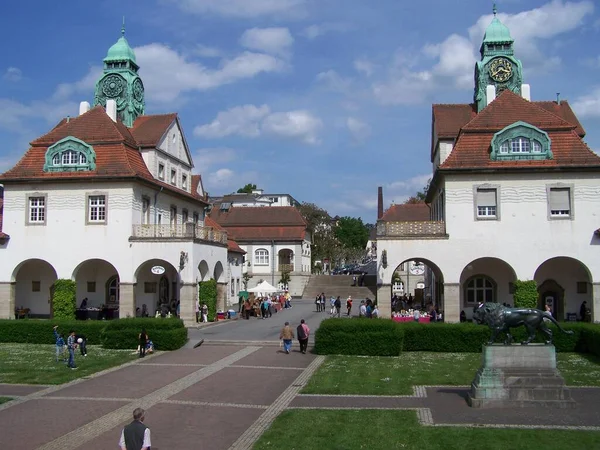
<point x="173" y="176"/>
<point x="261" y="257"/>
<point x="184" y="216"/>
<point x="161" y="172"/>
<point x="196" y="217"/>
<point x="480" y="289"/>
<point x="97" y="208"/>
<point x="173" y="215"/>
<point x="559" y="202"/>
<point x="37" y="210"/>
<point x="486" y="203"/>
<point x="184" y="181"/>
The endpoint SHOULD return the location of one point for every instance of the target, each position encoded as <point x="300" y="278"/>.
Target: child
<point x="71" y="346"/>
<point x="60" y="344"/>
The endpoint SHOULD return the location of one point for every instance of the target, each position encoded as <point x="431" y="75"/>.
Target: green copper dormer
<point x="70" y="155"/>
<point x="120" y="82"/>
<point x="521" y="141"/>
<point x="497" y="66"/>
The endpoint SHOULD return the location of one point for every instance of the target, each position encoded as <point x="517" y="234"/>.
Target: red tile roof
<point x="261" y="223"/>
<point x="509" y="108"/>
<point x="233" y="247"/>
<point x="197" y="180"/>
<point x="117" y="152"/>
<point x="564" y="111"/>
<point x="149" y="130"/>
<point x="414" y="212"/>
<point x="449" y="119"/>
<point x="472" y="148"/>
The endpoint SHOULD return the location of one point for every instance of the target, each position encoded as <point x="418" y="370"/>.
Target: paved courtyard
<point x="225" y="393"/>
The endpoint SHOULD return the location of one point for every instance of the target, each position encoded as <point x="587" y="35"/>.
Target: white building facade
<point x="108" y="200"/>
<point x="515" y="195"/>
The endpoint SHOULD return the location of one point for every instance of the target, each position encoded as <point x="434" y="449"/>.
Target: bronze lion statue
<point x="501" y="319"/>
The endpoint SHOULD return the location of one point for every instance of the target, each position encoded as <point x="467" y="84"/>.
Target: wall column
<point x="451" y="302"/>
<point x="221" y="297"/>
<point x="595" y="302"/>
<point x="188" y="297"/>
<point x="384" y="300"/>
<point x="126" y="300"/>
<point x="7" y="300"/>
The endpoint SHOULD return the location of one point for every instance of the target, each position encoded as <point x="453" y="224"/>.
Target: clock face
<point x="417" y="268"/>
<point x="113" y="86"/>
<point x="138" y="90"/>
<point x="501" y="69"/>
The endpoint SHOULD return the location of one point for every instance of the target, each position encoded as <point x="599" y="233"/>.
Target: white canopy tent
<point x="263" y="288"/>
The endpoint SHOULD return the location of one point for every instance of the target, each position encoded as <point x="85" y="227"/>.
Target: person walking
<point x="323" y="298"/>
<point x="349" y="304"/>
<point x="71" y="345"/>
<point x="303" y="332"/>
<point x="287" y="335"/>
<point x="338" y="306"/>
<point x="143" y="338"/>
<point x="204" y="310"/>
<point x="82" y="343"/>
<point x="136" y="435"/>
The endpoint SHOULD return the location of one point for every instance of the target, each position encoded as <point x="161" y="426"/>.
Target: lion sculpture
<point x="501" y="319"/>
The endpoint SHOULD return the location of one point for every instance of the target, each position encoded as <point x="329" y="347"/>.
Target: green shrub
<point x="33" y="331"/>
<point x="63" y="300"/>
<point x="590" y="337"/>
<point x="166" y="334"/>
<point x="358" y="337"/>
<point x="444" y="337"/>
<point x="207" y="293"/>
<point x="526" y="294"/>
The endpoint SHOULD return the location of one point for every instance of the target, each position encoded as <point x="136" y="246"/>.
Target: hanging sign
<point x="157" y="270"/>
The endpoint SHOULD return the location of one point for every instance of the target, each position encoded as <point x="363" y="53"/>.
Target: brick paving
<point x="224" y="397"/>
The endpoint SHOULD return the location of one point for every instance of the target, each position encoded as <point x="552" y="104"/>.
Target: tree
<point x="352" y="233"/>
<point x="316" y="218"/>
<point x="420" y="196"/>
<point x="247" y="189"/>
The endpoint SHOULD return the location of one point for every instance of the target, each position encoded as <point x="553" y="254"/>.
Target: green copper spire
<point x="120" y="81"/>
<point x="497" y="31"/>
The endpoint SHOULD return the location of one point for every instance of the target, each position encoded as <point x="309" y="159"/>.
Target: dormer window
<point x="70" y="155"/>
<point x="521" y="141"/>
<point x="184" y="181"/>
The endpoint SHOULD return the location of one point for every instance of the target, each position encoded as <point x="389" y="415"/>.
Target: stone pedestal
<point x="519" y="376"/>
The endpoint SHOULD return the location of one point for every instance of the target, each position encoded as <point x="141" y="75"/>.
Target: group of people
<point x="286" y="335"/>
<point x="145" y="345"/>
<point x="335" y="304"/>
<point x="68" y="346"/>
<point x="262" y="307"/>
<point x="201" y="312"/>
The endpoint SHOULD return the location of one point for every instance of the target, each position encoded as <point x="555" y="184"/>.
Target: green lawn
<point x="35" y="364"/>
<point x="376" y="429"/>
<point x="397" y="375"/>
<point x="5" y="399"/>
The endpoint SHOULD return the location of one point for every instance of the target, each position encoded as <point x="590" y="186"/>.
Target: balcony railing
<point x="431" y="229"/>
<point x="286" y="267"/>
<point x="179" y="231"/>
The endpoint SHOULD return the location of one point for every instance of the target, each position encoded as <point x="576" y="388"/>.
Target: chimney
<point x="111" y="109"/>
<point x="558" y="98"/>
<point x="379" y="202"/>
<point x="526" y="92"/>
<point x="490" y="93"/>
<point x="84" y="107"/>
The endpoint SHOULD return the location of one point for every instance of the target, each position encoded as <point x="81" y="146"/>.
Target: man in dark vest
<point x="136" y="435"/>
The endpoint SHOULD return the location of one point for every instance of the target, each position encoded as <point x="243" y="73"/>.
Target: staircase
<point x="334" y="285"/>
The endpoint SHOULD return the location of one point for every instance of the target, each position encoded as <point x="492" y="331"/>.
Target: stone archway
<point x="285" y="260"/>
<point x="157" y="285"/>
<point x="203" y="269"/>
<point x="567" y="283"/>
<point x="34" y="280"/>
<point x="97" y="280"/>
<point x="218" y="272"/>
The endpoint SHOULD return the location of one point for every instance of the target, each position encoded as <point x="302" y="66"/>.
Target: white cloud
<point x="170" y="74"/>
<point x="13" y="74"/>
<point x="276" y="41"/>
<point x="254" y="121"/>
<point x="207" y="157"/>
<point x="454" y="57"/>
<point x="84" y="86"/>
<point x="299" y="124"/>
<point x="14" y="115"/>
<point x="219" y="179"/>
<point x="240" y="120"/>
<point x="359" y="130"/>
<point x="409" y="186"/>
<point x="588" y="105"/>
<point x="364" y="66"/>
<point x="204" y="51"/>
<point x="334" y="81"/>
<point x="244" y="8"/>
<point x="316" y="30"/>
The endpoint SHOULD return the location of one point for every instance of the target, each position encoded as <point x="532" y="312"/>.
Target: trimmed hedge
<point x="33" y="331"/>
<point x="526" y="294"/>
<point x="207" y="293"/>
<point x="388" y="338"/>
<point x="358" y="337"/>
<point x="63" y="299"/>
<point x="166" y="334"/>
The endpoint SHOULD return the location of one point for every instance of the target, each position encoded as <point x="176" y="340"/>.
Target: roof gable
<point x="408" y="212"/>
<point x="509" y="108"/>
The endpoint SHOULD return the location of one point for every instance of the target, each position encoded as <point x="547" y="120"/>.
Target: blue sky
<point x="321" y="99"/>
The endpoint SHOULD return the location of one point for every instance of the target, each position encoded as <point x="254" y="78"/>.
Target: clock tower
<point x="120" y="82"/>
<point x="498" y="66"/>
